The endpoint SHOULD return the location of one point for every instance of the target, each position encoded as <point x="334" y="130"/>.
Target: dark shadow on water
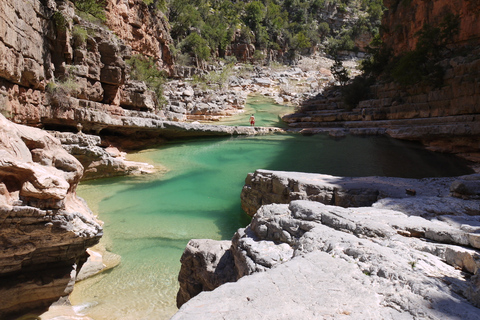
<point x="356" y="156"/>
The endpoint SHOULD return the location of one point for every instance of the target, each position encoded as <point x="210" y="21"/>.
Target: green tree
<point x="197" y="47"/>
<point x="144" y="69"/>
<point x="95" y="8"/>
<point x="301" y="41"/>
<point x="339" y="72"/>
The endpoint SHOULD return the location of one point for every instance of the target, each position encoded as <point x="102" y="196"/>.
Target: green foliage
<point x="301" y="41"/>
<point x="357" y="90"/>
<point x="196" y="46"/>
<point x="258" y="55"/>
<point x="379" y="58"/>
<point x="215" y="78"/>
<point x="95" y="8"/>
<point x="339" y="72"/>
<point x="61" y="89"/>
<point x="144" y="69"/>
<point x="79" y="35"/>
<point x="60" y="20"/>
<point x="269" y="24"/>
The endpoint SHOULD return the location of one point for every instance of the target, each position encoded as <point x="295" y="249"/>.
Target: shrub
<point x="60" y="20"/>
<point x="95" y="8"/>
<point x="339" y="72"/>
<point x="79" y="35"/>
<point x="258" y="56"/>
<point x="61" y="90"/>
<point x="356" y="91"/>
<point x="197" y="47"/>
<point x="144" y="69"/>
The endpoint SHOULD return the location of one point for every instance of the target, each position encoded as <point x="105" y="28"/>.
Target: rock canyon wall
<point x="45" y="227"/>
<point x="62" y="68"/>
<point x="404" y="18"/>
<point x="443" y="114"/>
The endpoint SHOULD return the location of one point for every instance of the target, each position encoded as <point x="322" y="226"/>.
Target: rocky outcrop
<point x="143" y="27"/>
<point x="45" y="227"/>
<point x="403" y="256"/>
<point x="99" y="162"/>
<point x="266" y="187"/>
<point x="404" y="19"/>
<point x="206" y="264"/>
<point x="443" y="118"/>
<point x="188" y="101"/>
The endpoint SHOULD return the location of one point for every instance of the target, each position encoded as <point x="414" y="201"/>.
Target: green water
<point x="267" y="113"/>
<point x="149" y="220"/>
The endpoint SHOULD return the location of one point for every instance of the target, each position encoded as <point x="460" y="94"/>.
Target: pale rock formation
<point x="45" y="227"/>
<point x="369" y="262"/>
<point x="99" y="162"/>
<point x="265" y="187"/>
<point x="205" y="266"/>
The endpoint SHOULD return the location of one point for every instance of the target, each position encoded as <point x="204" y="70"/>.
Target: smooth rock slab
<point x="314" y="286"/>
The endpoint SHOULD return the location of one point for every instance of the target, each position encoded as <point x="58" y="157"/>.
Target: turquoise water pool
<point x="149" y="220"/>
<point x="267" y="113"/>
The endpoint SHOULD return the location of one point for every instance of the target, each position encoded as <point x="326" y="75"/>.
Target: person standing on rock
<point x="252" y="120"/>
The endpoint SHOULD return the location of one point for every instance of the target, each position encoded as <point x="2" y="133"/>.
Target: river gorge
<point x="356" y="194"/>
<point x="149" y="220"/>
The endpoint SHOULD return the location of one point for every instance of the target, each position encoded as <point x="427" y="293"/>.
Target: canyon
<point x="70" y="107"/>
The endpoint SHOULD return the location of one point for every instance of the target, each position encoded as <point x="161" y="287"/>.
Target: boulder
<point x="417" y="255"/>
<point x="206" y="264"/>
<point x="358" y="262"/>
<point x="45" y="227"/>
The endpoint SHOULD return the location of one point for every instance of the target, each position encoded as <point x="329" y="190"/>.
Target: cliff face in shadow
<point x="45" y="227"/>
<point x="404" y="19"/>
<point x="429" y="86"/>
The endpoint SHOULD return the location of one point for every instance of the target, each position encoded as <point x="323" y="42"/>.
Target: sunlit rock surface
<point x="397" y="256"/>
<point x="45" y="227"/>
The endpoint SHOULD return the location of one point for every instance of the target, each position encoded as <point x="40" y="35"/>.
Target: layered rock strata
<point x="442" y="113"/>
<point x="97" y="161"/>
<point x="400" y="257"/>
<point x="444" y="119"/>
<point x="143" y="27"/>
<point x="45" y="227"/>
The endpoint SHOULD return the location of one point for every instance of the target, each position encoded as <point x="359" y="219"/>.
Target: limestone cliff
<point x="404" y="18"/>
<point x="143" y="27"/>
<point x="397" y="256"/>
<point x="59" y="69"/>
<point x="441" y="111"/>
<point x="45" y="227"/>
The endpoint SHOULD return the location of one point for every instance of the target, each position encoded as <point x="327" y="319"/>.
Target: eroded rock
<point x="45" y="227"/>
<point x="413" y="261"/>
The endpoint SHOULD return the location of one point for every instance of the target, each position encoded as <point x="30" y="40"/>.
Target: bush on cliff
<point x="145" y="69"/>
<point x="95" y="8"/>
<point x="419" y="65"/>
